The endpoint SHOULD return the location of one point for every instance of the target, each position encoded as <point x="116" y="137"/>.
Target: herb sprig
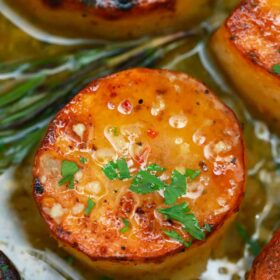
<point x="32" y="91"/>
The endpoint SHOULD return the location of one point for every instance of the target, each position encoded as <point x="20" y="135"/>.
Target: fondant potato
<point x="267" y="265"/>
<point x="175" y="145"/>
<point x="114" y="19"/>
<point x="247" y="47"/>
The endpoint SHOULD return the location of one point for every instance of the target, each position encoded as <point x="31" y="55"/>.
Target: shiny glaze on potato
<point x="145" y="117"/>
<point x="115" y="19"/>
<point x="247" y="47"/>
<point x="267" y="265"/>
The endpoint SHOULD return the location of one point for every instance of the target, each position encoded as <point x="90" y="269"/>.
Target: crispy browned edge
<point x="267" y="260"/>
<point x="109" y="12"/>
<point x="60" y="235"/>
<point x="246" y="56"/>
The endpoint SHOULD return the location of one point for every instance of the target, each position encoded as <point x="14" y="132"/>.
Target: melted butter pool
<point x="25" y="239"/>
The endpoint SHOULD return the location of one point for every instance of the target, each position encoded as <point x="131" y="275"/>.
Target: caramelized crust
<point x="113" y="19"/>
<point x="160" y="117"/>
<point x="247" y="46"/>
<point x="267" y="265"/>
<point x="255" y="32"/>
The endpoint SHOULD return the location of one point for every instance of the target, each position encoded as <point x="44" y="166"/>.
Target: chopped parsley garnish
<point x="254" y="246"/>
<point x="155" y="167"/>
<point x="176" y="236"/>
<point x="181" y="213"/>
<point x="276" y="69"/>
<point x="83" y="160"/>
<point x="90" y="206"/>
<point x="117" y="170"/>
<point x="68" y="170"/>
<point x="126" y="226"/>
<point x="176" y="189"/>
<point x="145" y="182"/>
<point x="192" y="173"/>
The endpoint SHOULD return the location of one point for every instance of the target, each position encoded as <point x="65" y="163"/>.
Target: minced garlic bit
<point x="43" y="179"/>
<point x="93" y="187"/>
<point x="56" y="211"/>
<point x="78" y="176"/>
<point x="78" y="208"/>
<point x="158" y="106"/>
<point x="79" y="129"/>
<point x="178" y="121"/>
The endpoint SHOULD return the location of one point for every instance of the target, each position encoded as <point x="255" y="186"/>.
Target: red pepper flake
<point x="125" y="107"/>
<point x="152" y="133"/>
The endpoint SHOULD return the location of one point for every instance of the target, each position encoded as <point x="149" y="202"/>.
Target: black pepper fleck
<point x="38" y="188"/>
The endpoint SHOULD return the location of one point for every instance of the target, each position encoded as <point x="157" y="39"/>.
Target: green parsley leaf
<point x="155" y="167"/>
<point x="67" y="180"/>
<point x="276" y="69"/>
<point x="126" y="226"/>
<point x="181" y="213"/>
<point x="192" y="173"/>
<point x="176" y="236"/>
<point x="123" y="169"/>
<point x="177" y="188"/>
<point x="110" y="170"/>
<point x="117" y="170"/>
<point x="83" y="160"/>
<point x="68" y="170"/>
<point x="254" y="246"/>
<point x="90" y="206"/>
<point x="145" y="183"/>
<point x="116" y="133"/>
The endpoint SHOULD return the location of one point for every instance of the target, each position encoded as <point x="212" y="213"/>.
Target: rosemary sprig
<point x="32" y="91"/>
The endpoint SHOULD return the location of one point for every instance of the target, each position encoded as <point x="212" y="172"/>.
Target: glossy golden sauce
<point x="25" y="239"/>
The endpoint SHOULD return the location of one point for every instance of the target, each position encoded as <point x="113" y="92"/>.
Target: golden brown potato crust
<point x="267" y="265"/>
<point x="113" y="19"/>
<point x="209" y="138"/>
<point x="247" y="48"/>
<point x="254" y="30"/>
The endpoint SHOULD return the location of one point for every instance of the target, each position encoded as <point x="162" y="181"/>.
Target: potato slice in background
<point x="266" y="265"/>
<point x="142" y="120"/>
<point x="247" y="47"/>
<point x="114" y="19"/>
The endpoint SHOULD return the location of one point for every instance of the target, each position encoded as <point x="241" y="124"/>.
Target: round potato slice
<point x="137" y="167"/>
<point x="247" y="46"/>
<point x="266" y="265"/>
<point x="114" y="19"/>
